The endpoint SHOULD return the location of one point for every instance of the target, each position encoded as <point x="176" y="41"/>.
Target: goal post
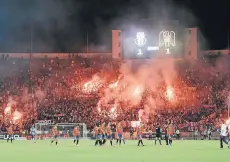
<point x="44" y="130"/>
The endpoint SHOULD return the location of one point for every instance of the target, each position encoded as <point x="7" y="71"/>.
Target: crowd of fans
<point x="50" y="89"/>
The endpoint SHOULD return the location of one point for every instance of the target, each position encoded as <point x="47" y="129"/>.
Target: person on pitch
<point x="196" y="132"/>
<point x="32" y="132"/>
<point x="76" y="134"/>
<point x="67" y="134"/>
<point x="55" y="134"/>
<point x="209" y="134"/>
<point x="103" y="129"/>
<point x="109" y="134"/>
<point x="119" y="133"/>
<point x="10" y="134"/>
<point x="228" y="127"/>
<point x="139" y="134"/>
<point x="158" y="134"/>
<point x="131" y="132"/>
<point x="177" y="134"/>
<point x="123" y="138"/>
<point x="223" y="135"/>
<point x="166" y="136"/>
<point x="97" y="133"/>
<point x="113" y="129"/>
<point x="116" y="135"/>
<point x="170" y="132"/>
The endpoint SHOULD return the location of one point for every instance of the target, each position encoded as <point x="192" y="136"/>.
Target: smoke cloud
<point x="63" y="26"/>
<point x="46" y="23"/>
<point x="130" y="88"/>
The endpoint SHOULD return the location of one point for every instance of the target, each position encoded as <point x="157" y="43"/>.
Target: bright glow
<point x="137" y="91"/>
<point x="167" y="38"/>
<point x="140" y="39"/>
<point x="113" y="112"/>
<point x="113" y="109"/>
<point x="153" y="48"/>
<point x="17" y="115"/>
<point x="140" y="114"/>
<point x="15" y="118"/>
<point x="140" y="52"/>
<point x="91" y="86"/>
<point x="114" y="85"/>
<point x="228" y="122"/>
<point x="99" y="109"/>
<point x="7" y="110"/>
<point x="167" y="51"/>
<point x="135" y="124"/>
<point x="169" y="93"/>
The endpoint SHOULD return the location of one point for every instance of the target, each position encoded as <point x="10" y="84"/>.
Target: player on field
<point x="119" y="132"/>
<point x="103" y="129"/>
<point x="119" y="126"/>
<point x="123" y="138"/>
<point x="97" y="133"/>
<point x="32" y="132"/>
<point x="177" y="134"/>
<point x="166" y="136"/>
<point x="10" y="134"/>
<point x="223" y="135"/>
<point x="55" y="134"/>
<point x="76" y="134"/>
<point x="196" y="132"/>
<point x="67" y="134"/>
<point x="228" y="123"/>
<point x="131" y="132"/>
<point x="116" y="135"/>
<point x="139" y="134"/>
<point x="170" y="131"/>
<point x="109" y="134"/>
<point x="158" y="134"/>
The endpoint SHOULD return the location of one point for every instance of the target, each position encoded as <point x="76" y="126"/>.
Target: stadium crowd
<point x="51" y="89"/>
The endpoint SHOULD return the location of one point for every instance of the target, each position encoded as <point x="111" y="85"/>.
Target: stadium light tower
<point x="31" y="53"/>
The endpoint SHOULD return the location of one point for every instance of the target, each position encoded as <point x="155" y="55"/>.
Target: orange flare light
<point x="91" y="86"/>
<point x="17" y="115"/>
<point x="7" y="110"/>
<point x="228" y="122"/>
<point x="114" y="85"/>
<point x="169" y="93"/>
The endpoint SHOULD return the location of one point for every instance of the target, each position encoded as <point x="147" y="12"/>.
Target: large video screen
<point x="146" y="43"/>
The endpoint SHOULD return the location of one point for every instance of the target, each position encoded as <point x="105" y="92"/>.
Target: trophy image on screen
<point x="166" y="40"/>
<point x="140" y="41"/>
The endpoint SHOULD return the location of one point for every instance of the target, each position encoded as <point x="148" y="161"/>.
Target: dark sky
<point x="62" y="25"/>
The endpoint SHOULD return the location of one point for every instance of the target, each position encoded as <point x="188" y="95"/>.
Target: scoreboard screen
<point x="146" y="44"/>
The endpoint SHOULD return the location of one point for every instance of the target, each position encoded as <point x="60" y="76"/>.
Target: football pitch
<point x="181" y="151"/>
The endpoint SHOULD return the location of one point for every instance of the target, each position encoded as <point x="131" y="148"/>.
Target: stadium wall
<point x="54" y="55"/>
<point x="183" y="135"/>
<point x="216" y="52"/>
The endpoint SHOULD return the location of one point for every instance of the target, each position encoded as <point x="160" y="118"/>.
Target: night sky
<point x="62" y="25"/>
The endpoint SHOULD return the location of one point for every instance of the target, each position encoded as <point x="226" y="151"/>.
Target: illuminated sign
<point x="153" y="48"/>
<point x="140" y="41"/>
<point x="167" y="39"/>
<point x="5" y="137"/>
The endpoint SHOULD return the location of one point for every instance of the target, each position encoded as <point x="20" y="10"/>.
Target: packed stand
<point x="43" y="89"/>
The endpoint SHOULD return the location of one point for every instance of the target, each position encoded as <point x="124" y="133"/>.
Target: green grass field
<point x="181" y="151"/>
